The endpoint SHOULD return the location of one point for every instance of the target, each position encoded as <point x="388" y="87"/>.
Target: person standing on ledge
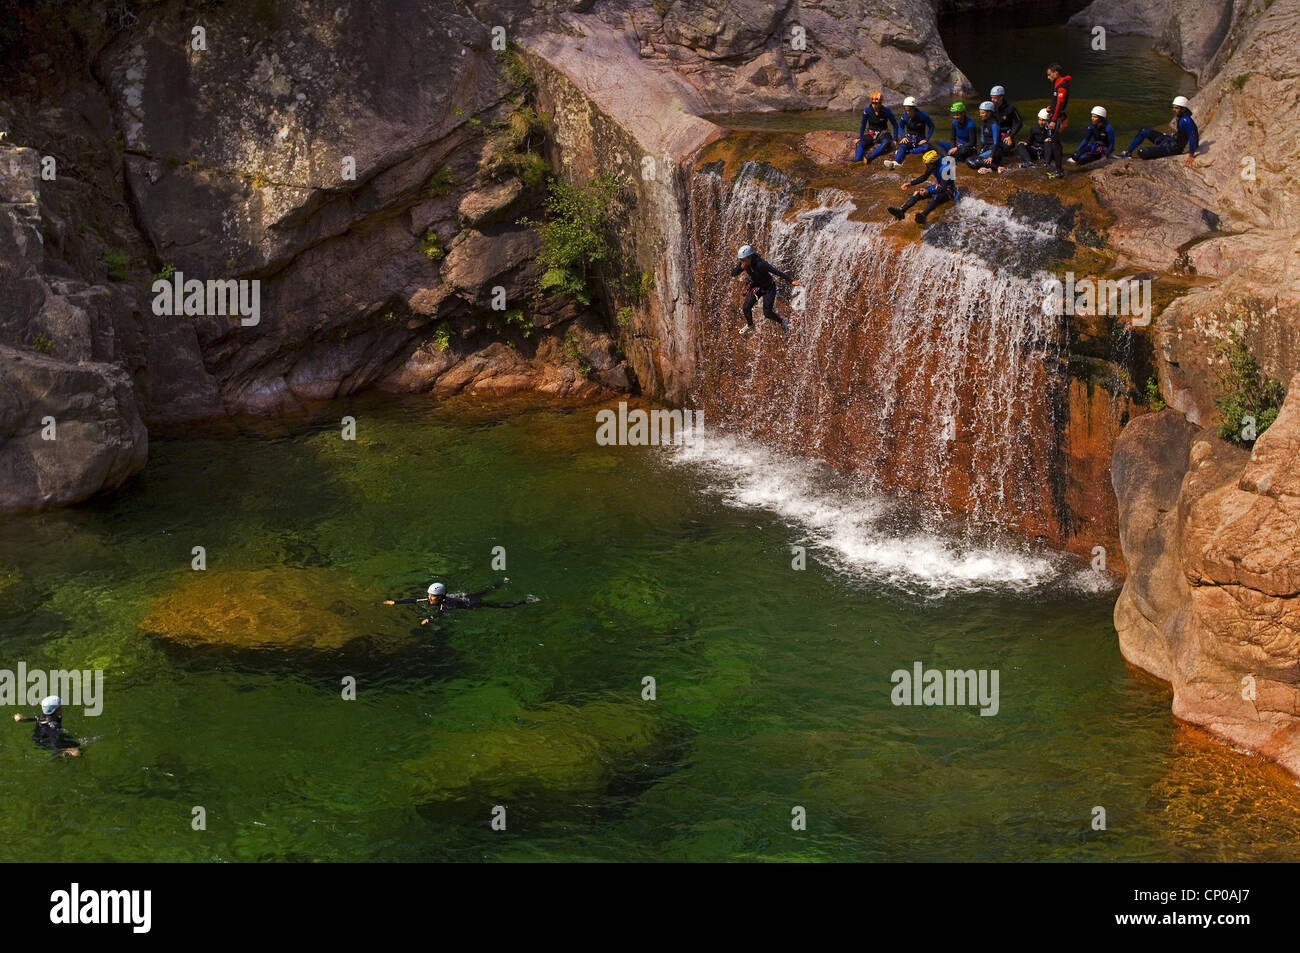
<point x="49" y="731"/>
<point x="759" y="274"/>
<point x="437" y="601"/>
<point x="1057" y="119"/>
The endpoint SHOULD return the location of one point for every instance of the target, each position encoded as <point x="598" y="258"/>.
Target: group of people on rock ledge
<point x="993" y="143"/>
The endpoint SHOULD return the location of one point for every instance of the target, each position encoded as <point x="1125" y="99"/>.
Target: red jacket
<point x="1061" y="96"/>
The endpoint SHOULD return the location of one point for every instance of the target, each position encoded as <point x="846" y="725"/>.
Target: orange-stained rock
<point x="1211" y="602"/>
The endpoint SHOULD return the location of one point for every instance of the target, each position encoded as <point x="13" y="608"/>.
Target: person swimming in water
<point x="437" y="601"/>
<point x="49" y="731"/>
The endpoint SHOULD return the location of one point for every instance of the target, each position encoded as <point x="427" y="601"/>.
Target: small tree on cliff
<point x="1242" y="391"/>
<point x="575" y="235"/>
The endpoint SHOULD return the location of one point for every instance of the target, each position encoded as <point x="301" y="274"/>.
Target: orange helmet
<point x="875" y="97"/>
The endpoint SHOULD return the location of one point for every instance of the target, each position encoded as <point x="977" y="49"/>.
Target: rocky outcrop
<point x="1190" y="32"/>
<point x="1230" y="217"/>
<point x="67" y="430"/>
<point x="1212" y="536"/>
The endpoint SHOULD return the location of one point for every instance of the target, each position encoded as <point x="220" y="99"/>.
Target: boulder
<point x="90" y="411"/>
<point x="1226" y="634"/>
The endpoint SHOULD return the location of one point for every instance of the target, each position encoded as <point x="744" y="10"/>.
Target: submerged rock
<point x="553" y="748"/>
<point x="269" y="609"/>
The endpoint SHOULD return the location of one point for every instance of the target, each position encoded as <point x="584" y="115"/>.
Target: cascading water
<point x="929" y="370"/>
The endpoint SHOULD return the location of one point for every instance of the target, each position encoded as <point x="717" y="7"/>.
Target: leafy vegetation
<point x="500" y="323"/>
<point x="1242" y="391"/>
<point x="574" y="235"/>
<point x="1240" y="81"/>
<point x="1154" y="400"/>
<point x="431" y="246"/>
<point x="441" y="337"/>
<point x="165" y="272"/>
<point x="118" y="264"/>
<point x="43" y="343"/>
<point x="441" y="182"/>
<point x="573" y="347"/>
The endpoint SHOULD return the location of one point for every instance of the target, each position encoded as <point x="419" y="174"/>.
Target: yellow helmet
<point x="930" y="156"/>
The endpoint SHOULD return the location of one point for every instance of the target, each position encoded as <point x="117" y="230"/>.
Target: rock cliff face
<point x="1212" y="535"/>
<point x="362" y="163"/>
<point x="1231" y="216"/>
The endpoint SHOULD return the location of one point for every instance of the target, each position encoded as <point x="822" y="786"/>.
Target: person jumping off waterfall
<point x="759" y="274"/>
<point x="1186" y="136"/>
<point x="877" y="131"/>
<point x="943" y="189"/>
<point x="438" y="600"/>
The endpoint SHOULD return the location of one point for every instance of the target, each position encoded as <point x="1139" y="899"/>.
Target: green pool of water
<point x="772" y="685"/>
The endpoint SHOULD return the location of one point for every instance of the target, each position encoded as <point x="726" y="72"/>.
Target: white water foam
<point x="853" y="531"/>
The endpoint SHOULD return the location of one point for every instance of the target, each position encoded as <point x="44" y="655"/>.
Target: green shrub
<point x="502" y="322"/>
<point x="1240" y="81"/>
<point x="165" y="272"/>
<point x="441" y="182"/>
<point x="43" y="343"/>
<point x="441" y="337"/>
<point x="625" y="317"/>
<point x="118" y="264"/>
<point x="574" y="235"/>
<point x="513" y="67"/>
<point x="639" y="286"/>
<point x="431" y="246"/>
<point x="1154" y="400"/>
<point x="1242" y="391"/>
<point x="573" y="347"/>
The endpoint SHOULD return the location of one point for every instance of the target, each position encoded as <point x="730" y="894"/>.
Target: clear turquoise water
<point x="772" y="684"/>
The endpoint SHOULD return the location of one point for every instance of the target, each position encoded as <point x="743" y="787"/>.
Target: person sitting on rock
<point x="1185" y="136"/>
<point x="1098" y="142"/>
<point x="943" y="189"/>
<point x="1009" y="125"/>
<point x="1057" y="119"/>
<point x="761" y="285"/>
<point x="1031" y="150"/>
<point x="437" y="601"/>
<point x="49" y="731"/>
<point x="877" y="131"/>
<point x="916" y="127"/>
<point x="963" y="134"/>
<point x="987" y="143"/>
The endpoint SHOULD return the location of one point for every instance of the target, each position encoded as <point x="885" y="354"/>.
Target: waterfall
<point x="924" y="369"/>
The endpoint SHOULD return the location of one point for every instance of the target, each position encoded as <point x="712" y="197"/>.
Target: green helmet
<point x="957" y="107"/>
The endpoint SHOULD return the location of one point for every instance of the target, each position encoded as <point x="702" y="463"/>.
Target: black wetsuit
<point x="49" y="733"/>
<point x="1009" y="124"/>
<point x="1032" y="149"/>
<point x="456" y="600"/>
<point x="761" y="285"/>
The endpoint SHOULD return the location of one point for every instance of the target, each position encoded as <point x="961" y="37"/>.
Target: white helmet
<point x="1099" y="111"/>
<point x="909" y="101"/>
<point x="437" y="589"/>
<point x="997" y="91"/>
<point x="1182" y="101"/>
<point x="987" y="106"/>
<point x="745" y="251"/>
<point x="50" y="704"/>
<point x="1043" y="114"/>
